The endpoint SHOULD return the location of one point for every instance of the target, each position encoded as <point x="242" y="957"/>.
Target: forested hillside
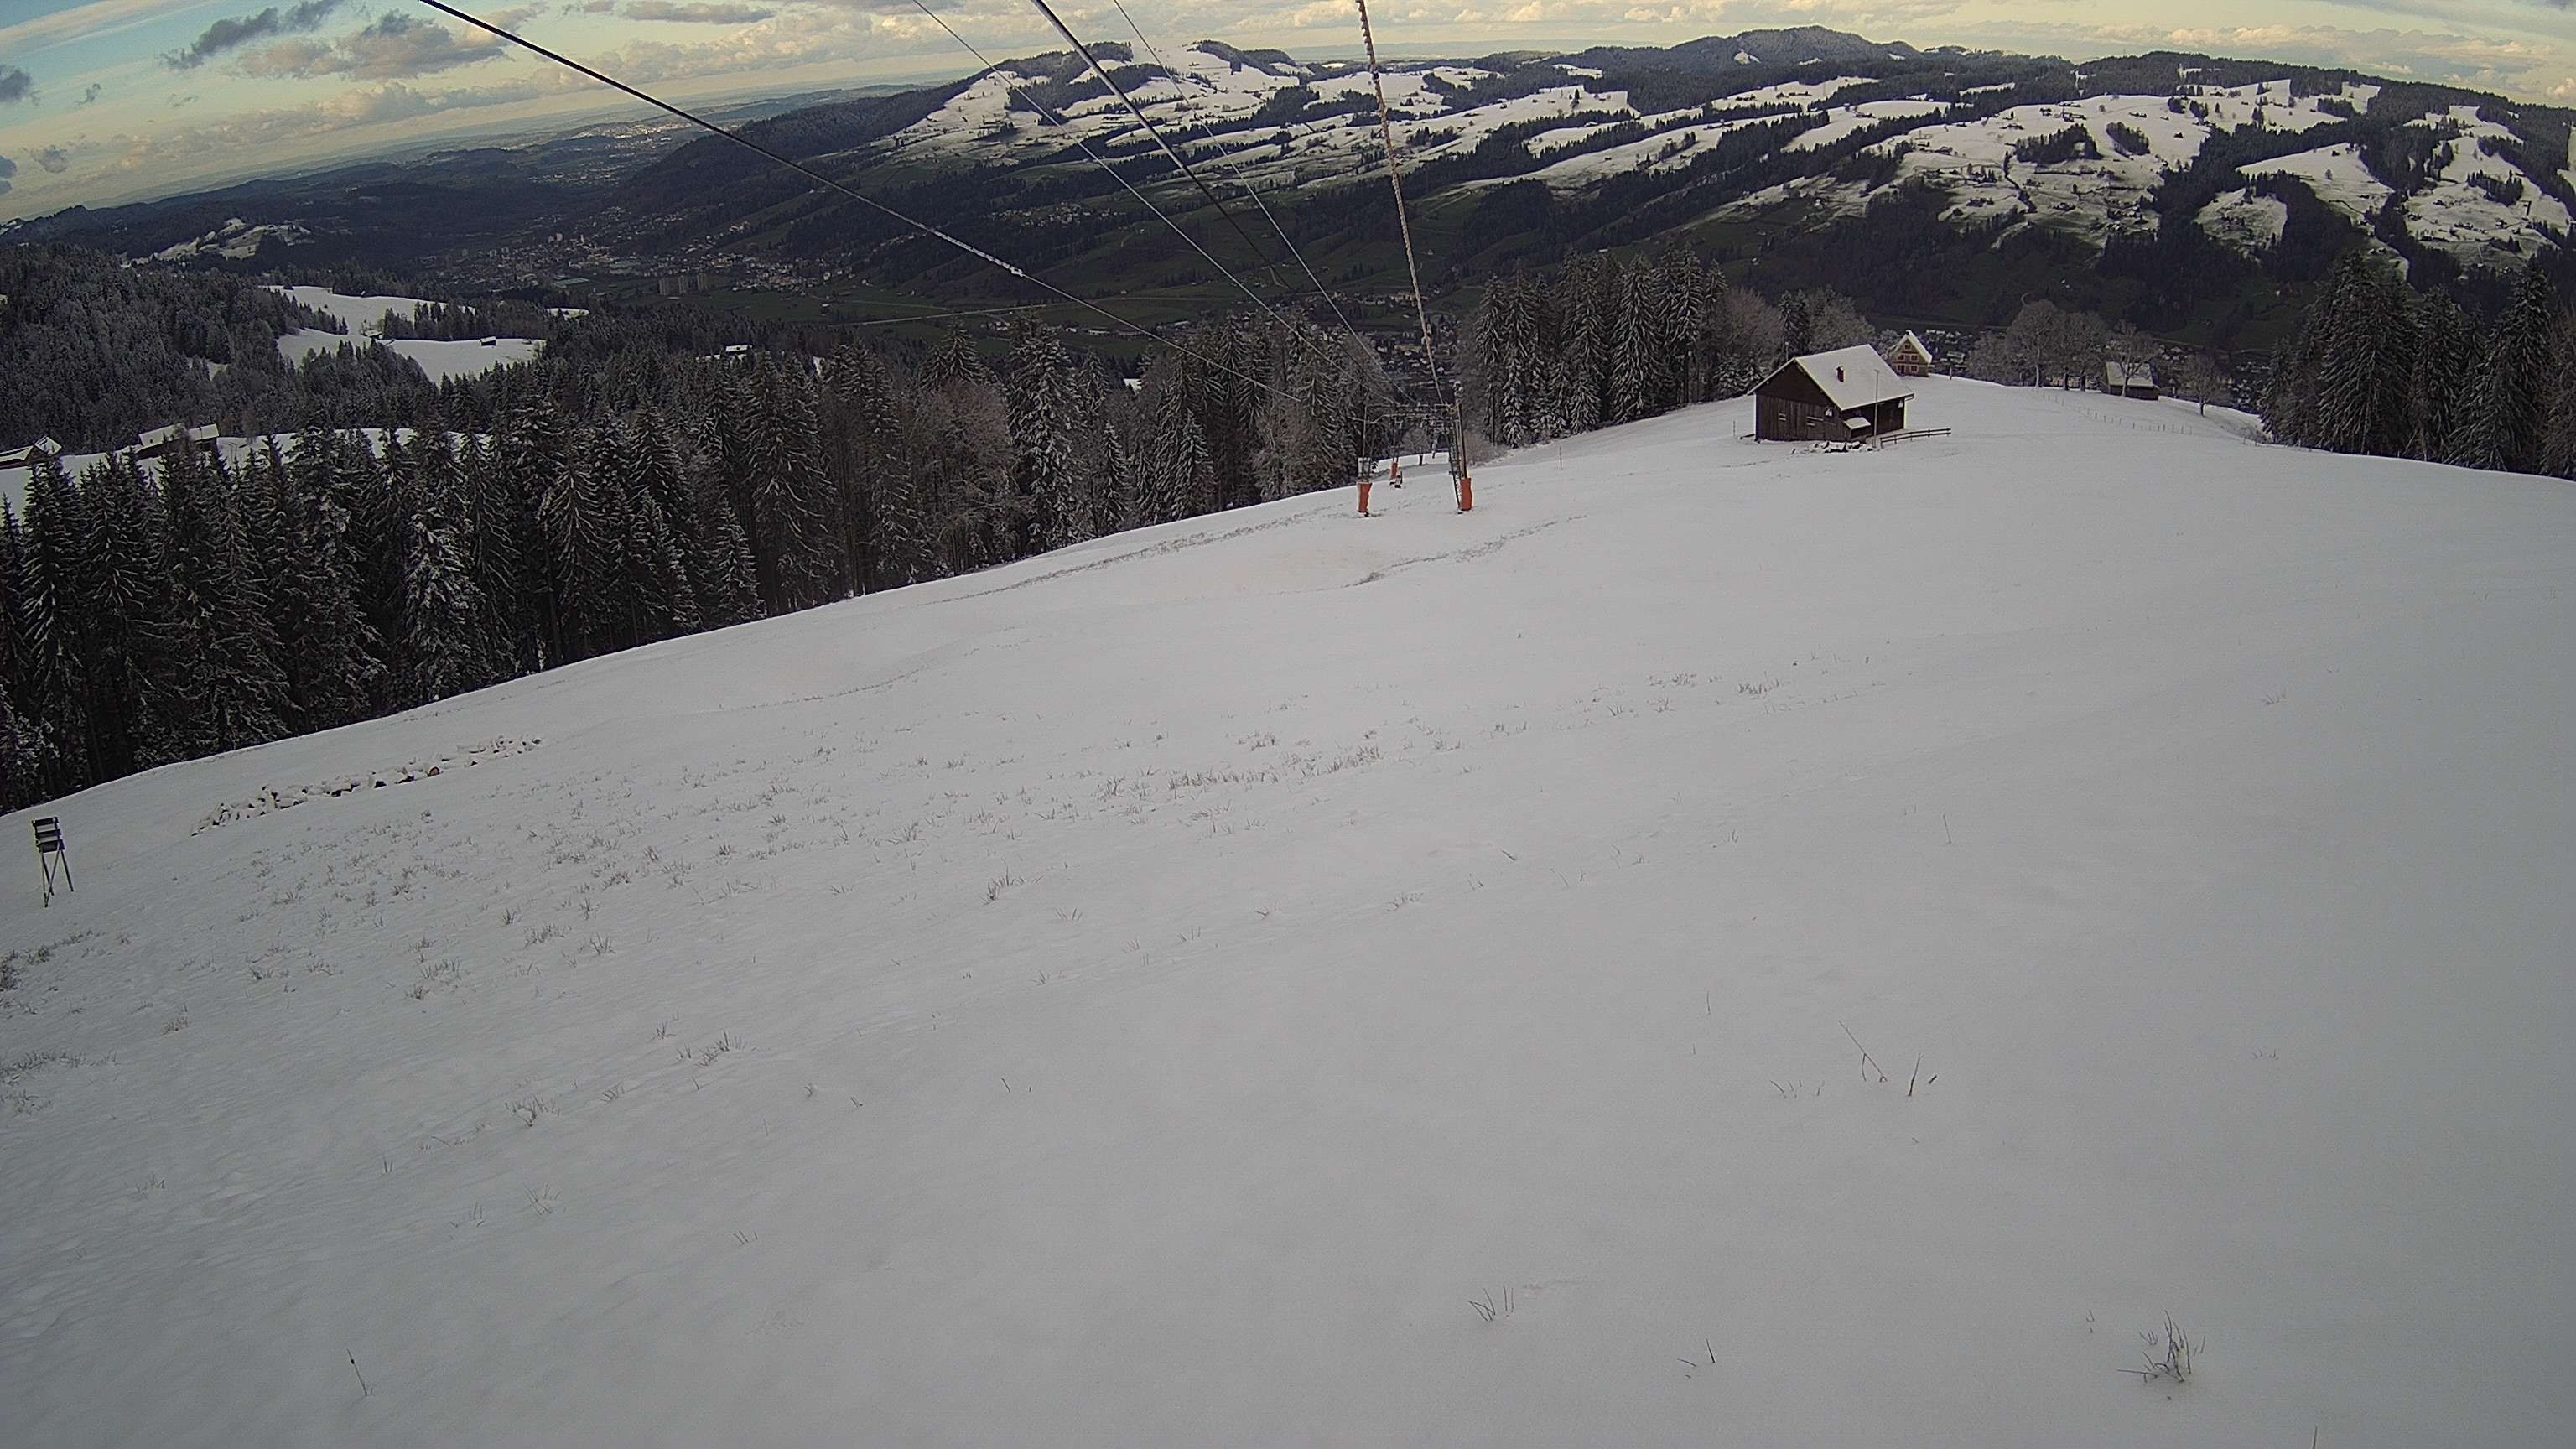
<point x="618" y="491"/>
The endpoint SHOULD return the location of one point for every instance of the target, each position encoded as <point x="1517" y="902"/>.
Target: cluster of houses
<point x="1855" y="394"/>
<point x="158" y="443"/>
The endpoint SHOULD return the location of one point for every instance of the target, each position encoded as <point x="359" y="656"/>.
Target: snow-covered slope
<point x="440" y="358"/>
<point x="1143" y="994"/>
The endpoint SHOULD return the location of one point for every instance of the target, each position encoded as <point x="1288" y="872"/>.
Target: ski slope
<point x="1143" y="994"/>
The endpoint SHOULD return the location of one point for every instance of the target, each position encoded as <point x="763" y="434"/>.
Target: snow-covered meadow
<point x="440" y="358"/>
<point x="1234" y="983"/>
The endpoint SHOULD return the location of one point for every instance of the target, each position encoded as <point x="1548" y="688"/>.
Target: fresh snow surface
<point x="1140" y="995"/>
<point x="2337" y="174"/>
<point x="438" y="358"/>
<point x="1848" y="120"/>
<point x="364" y="316"/>
<point x="2244" y="220"/>
<point x="2452" y="213"/>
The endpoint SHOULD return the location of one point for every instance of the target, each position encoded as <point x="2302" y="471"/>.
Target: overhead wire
<point x="1250" y="190"/>
<point x="1395" y="179"/>
<point x="844" y="189"/>
<point x="1057" y="118"/>
<point x="1151" y="129"/>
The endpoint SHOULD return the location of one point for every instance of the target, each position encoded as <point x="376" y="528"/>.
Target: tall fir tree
<point x="2507" y="413"/>
<point x="234" y="692"/>
<point x="54" y="607"/>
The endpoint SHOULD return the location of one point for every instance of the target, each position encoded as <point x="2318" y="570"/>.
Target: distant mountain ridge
<point x="2181" y="191"/>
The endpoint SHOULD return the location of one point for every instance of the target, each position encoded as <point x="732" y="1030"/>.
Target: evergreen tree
<point x="2366" y="374"/>
<point x="2507" y="412"/>
<point x="867" y="440"/>
<point x="53" y="617"/>
<point x="791" y="545"/>
<point x="132" y="646"/>
<point x="233" y="692"/>
<point x="2446" y="357"/>
<point x="446" y="647"/>
<point x="1637" y="372"/>
<point x="585" y="523"/>
<point x="1045" y="468"/>
<point x="337" y="671"/>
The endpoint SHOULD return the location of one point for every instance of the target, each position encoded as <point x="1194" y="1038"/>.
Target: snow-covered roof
<point x="1853" y="377"/>
<point x="2129" y="374"/>
<point x="1917" y="343"/>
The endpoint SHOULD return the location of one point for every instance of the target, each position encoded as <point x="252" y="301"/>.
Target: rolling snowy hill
<point x="1144" y="994"/>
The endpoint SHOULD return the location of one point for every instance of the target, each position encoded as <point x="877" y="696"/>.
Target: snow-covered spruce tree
<point x="375" y="481"/>
<point x="659" y="600"/>
<point x="2290" y="393"/>
<point x="1585" y="354"/>
<point x="2446" y="357"/>
<point x="585" y="528"/>
<point x="954" y="360"/>
<point x="1638" y="371"/>
<point x="2507" y="411"/>
<point x="53" y="611"/>
<point x="25" y="759"/>
<point x="132" y="645"/>
<point x="2558" y="437"/>
<point x="863" y="454"/>
<point x="537" y="456"/>
<point x="337" y="671"/>
<point x="796" y="551"/>
<point x="1176" y="463"/>
<point x="1044" y="468"/>
<point x="445" y="644"/>
<point x="724" y="576"/>
<point x="2365" y="376"/>
<point x="1680" y="303"/>
<point x="1797" y="329"/>
<point x="231" y="693"/>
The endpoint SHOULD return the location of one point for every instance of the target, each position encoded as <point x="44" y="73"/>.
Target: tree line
<point x="1605" y="341"/>
<point x="2377" y="367"/>
<point x="153" y="612"/>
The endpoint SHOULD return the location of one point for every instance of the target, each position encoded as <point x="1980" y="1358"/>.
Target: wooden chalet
<point x="2130" y="379"/>
<point x="28" y="456"/>
<point x="162" y="442"/>
<point x="1909" y="357"/>
<point x="1839" y="396"/>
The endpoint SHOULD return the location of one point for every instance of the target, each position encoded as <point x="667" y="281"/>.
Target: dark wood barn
<point x="1838" y="396"/>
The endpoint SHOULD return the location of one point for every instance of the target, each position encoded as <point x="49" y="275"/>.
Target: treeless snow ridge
<point x="1143" y="994"/>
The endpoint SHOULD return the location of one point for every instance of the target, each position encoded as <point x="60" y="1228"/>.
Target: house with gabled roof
<point x="1908" y="356"/>
<point x="2130" y="379"/>
<point x="1839" y="396"/>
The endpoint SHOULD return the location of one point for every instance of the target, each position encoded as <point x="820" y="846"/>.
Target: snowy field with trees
<point x="1232" y="982"/>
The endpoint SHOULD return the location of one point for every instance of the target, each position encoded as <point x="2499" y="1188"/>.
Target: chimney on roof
<point x="1838" y="374"/>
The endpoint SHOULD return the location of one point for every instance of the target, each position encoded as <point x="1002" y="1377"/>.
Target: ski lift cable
<point x="844" y="189"/>
<point x="1057" y="118"/>
<point x="1395" y="179"/>
<point x="1249" y="189"/>
<point x="1151" y="129"/>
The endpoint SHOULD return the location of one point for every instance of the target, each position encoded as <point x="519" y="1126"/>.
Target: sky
<point x="106" y="101"/>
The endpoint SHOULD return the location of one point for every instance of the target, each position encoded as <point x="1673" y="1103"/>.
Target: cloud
<point x="697" y="14"/>
<point x="394" y="47"/>
<point x="52" y="161"/>
<point x="15" y="85"/>
<point x="234" y="32"/>
<point x="8" y="168"/>
<point x="90" y="96"/>
<point x="5" y="188"/>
